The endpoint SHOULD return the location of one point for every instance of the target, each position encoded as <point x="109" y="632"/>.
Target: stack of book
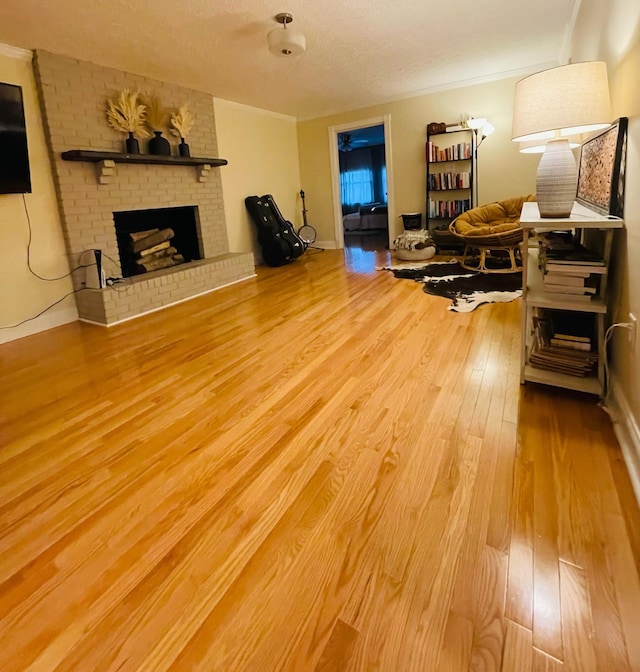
<point x="568" y="267"/>
<point x="563" y="342"/>
<point x="568" y="281"/>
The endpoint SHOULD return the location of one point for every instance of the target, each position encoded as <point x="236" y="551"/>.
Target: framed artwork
<point x="602" y="170"/>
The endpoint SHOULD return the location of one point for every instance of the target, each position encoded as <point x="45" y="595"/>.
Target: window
<point x="356" y="186"/>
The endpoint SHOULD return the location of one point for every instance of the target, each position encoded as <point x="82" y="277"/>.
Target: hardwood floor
<point x="318" y="469"/>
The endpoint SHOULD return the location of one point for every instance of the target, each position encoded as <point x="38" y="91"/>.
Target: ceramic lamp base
<point x="556" y="180"/>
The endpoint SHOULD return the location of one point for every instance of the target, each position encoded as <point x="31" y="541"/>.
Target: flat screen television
<point x="15" y="177"/>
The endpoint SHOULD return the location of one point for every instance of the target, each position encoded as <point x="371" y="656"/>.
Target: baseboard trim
<point x="627" y="432"/>
<point x="167" y="305"/>
<point x="61" y="314"/>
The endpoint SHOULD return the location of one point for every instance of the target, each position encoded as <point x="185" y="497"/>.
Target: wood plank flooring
<point x="320" y="469"/>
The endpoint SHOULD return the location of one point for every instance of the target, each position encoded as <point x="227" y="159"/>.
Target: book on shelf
<point x="572" y="338"/>
<point x="575" y="298"/>
<point x="578" y="255"/>
<point x="580" y="263"/>
<point x="552" y="353"/>
<point x="569" y="343"/>
<point x="574" y="270"/>
<point x="565" y="279"/>
<point x="568" y="289"/>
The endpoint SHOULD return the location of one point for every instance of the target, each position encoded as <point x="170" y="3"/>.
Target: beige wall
<point x="21" y="294"/>
<point x="262" y="150"/>
<point x="611" y="31"/>
<point x="503" y="171"/>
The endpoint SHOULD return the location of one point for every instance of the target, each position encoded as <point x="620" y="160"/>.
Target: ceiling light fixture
<point x="283" y="42"/>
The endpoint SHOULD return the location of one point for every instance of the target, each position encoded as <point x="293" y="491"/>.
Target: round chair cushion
<point x="490" y="219"/>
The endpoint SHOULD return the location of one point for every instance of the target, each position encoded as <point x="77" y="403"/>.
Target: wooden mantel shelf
<point x="117" y="157"/>
<point x="107" y="161"/>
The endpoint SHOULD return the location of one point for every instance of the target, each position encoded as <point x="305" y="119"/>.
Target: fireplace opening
<point x="149" y="240"/>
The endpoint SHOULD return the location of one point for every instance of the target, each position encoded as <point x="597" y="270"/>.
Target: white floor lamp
<point x="482" y="128"/>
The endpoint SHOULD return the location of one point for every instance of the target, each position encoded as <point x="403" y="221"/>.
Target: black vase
<point x="159" y="145"/>
<point x="132" y="145"/>
<point x="183" y="148"/>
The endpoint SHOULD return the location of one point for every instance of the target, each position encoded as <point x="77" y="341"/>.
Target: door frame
<point x="385" y="120"/>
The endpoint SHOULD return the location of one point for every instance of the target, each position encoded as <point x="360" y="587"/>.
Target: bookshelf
<point x="450" y="173"/>
<point x="595" y="233"/>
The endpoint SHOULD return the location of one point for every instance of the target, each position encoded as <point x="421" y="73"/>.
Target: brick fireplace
<point x="73" y="95"/>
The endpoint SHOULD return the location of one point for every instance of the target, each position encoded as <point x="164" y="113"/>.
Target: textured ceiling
<point x="359" y="53"/>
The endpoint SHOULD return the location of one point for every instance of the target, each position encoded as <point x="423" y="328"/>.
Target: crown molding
<point x="460" y="84"/>
<point x="16" y="52"/>
<point x="251" y="108"/>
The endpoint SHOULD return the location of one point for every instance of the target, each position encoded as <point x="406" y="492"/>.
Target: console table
<point x="586" y="223"/>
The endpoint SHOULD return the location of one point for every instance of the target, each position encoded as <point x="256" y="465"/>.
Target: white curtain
<point x="356" y="186"/>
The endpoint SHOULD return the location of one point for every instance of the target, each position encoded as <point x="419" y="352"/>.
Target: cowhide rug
<point x="466" y="289"/>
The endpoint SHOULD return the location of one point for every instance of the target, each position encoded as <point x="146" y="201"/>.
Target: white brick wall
<point x="74" y="95"/>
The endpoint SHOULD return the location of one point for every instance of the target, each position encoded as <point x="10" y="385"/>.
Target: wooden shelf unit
<point x="460" y="136"/>
<point x="581" y="220"/>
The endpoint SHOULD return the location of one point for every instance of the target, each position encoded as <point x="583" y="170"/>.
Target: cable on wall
<point x="44" y="310"/>
<point x="111" y="282"/>
<point x="37" y="275"/>
<point x="607" y="336"/>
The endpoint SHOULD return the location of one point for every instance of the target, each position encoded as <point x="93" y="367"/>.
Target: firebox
<point x="159" y="238"/>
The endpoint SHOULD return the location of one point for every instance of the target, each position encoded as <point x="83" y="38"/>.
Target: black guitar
<point x="279" y="242"/>
<point x="286" y="229"/>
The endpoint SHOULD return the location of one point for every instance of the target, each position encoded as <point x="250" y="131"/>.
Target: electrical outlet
<point x="632" y="332"/>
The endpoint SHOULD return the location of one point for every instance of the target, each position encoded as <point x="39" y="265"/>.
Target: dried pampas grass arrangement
<point x="126" y="114"/>
<point x="182" y="121"/>
<point x="156" y="115"/>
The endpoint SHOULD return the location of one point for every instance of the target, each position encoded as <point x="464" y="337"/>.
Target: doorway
<point x="361" y="180"/>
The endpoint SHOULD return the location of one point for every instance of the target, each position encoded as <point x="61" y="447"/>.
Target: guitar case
<point x="279" y="242"/>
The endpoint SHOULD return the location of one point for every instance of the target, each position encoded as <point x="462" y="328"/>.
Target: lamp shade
<point x="476" y="123"/>
<point x="488" y="129"/>
<point x="571" y="99"/>
<point x="538" y="146"/>
<point x="286" y="42"/>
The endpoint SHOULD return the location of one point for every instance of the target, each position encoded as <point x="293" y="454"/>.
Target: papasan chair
<point x="494" y="227"/>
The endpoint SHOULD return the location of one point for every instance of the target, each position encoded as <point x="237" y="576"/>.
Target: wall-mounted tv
<point x="15" y="177"/>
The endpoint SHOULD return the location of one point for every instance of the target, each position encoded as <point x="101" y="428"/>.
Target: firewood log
<point x="156" y="248"/>
<point x="152" y="240"/>
<point x="156" y="264"/>
<point x="142" y="234"/>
